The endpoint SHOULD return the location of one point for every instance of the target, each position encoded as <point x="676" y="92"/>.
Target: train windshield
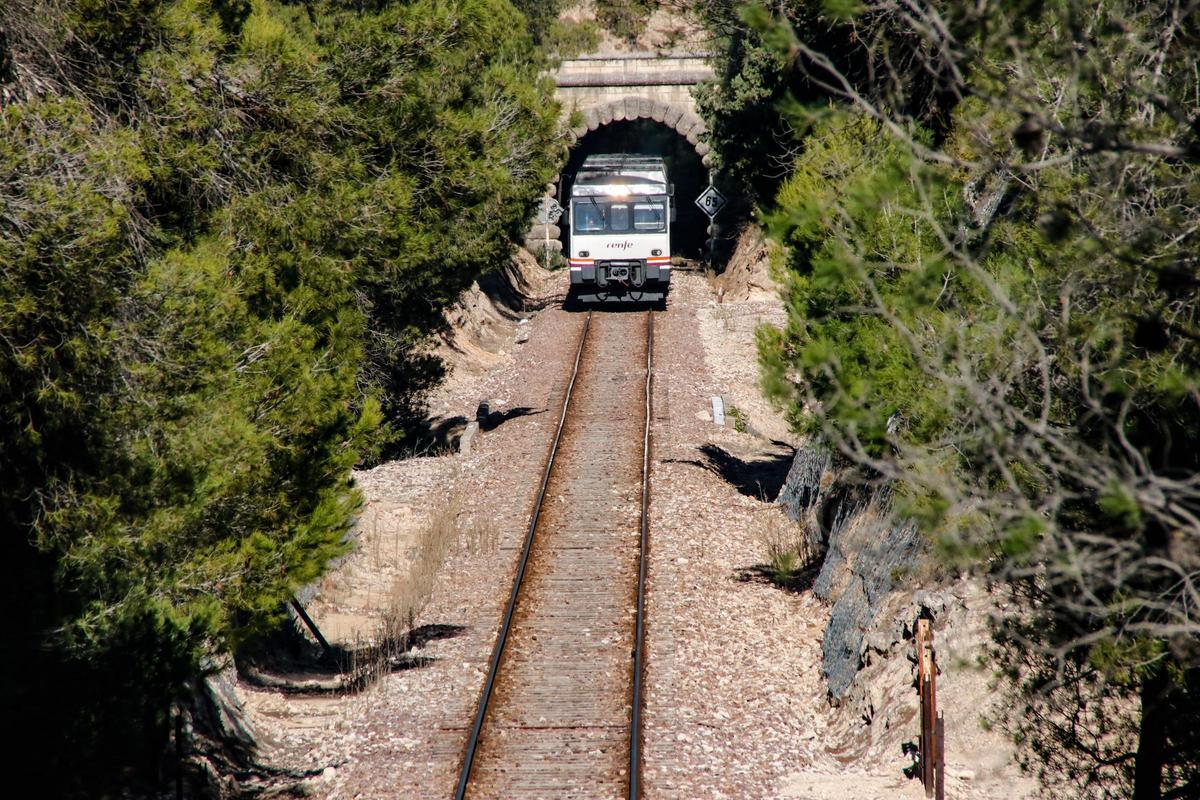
<point x="640" y="215"/>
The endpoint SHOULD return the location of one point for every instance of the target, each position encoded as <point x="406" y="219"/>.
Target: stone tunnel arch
<point x="679" y="118"/>
<point x="624" y="125"/>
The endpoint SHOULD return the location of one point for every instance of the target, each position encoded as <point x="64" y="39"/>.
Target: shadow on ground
<point x="440" y="435"/>
<point x="494" y="419"/>
<point x="800" y="580"/>
<point x="288" y="661"/>
<point x="573" y="305"/>
<point x="760" y="478"/>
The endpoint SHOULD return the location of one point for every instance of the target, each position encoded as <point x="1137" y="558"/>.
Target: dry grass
<point x="479" y="535"/>
<point x="716" y="287"/>
<point x="449" y="526"/>
<point x="790" y="547"/>
<point x="722" y="313"/>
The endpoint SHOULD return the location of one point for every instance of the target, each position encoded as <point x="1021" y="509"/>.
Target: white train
<point x="621" y="211"/>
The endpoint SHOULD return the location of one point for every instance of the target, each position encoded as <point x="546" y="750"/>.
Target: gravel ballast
<point x="735" y="706"/>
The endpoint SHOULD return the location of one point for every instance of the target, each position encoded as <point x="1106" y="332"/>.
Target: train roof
<point x="623" y="161"/>
<point x="620" y="174"/>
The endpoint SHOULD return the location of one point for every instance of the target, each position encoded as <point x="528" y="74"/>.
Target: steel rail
<point x="635" y="732"/>
<point x="506" y="624"/>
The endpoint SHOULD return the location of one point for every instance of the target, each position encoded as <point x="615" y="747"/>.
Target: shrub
<point x="229" y="231"/>
<point x="625" y="19"/>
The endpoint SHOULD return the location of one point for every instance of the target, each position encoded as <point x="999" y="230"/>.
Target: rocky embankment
<point x="867" y="552"/>
<point x="877" y="577"/>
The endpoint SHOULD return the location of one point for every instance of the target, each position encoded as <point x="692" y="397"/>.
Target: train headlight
<point x="583" y="253"/>
<point x="656" y="252"/>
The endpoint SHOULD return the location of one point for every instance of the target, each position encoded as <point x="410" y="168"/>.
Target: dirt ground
<point x="735" y="704"/>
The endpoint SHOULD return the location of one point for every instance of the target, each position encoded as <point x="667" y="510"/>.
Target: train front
<point x="620" y="241"/>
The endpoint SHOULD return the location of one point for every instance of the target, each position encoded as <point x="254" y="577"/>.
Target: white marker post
<point x="718" y="409"/>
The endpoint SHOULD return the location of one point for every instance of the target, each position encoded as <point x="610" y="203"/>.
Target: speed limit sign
<point x="711" y="201"/>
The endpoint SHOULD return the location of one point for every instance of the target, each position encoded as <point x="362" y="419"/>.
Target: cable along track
<point x="559" y="715"/>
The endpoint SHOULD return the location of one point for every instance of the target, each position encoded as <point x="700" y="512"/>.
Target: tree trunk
<point x="1152" y="736"/>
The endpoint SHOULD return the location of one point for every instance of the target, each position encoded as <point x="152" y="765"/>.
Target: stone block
<point x="631" y="108"/>
<point x="689" y="122"/>
<point x="539" y="232"/>
<point x="468" y="437"/>
<point x="673" y="115"/>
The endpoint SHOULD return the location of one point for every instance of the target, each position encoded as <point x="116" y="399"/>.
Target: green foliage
<point x="1121" y="506"/>
<point x="739" y="418"/>
<point x="844" y="216"/>
<point x="771" y="87"/>
<point x="1020" y="538"/>
<point x="228" y="235"/>
<point x="783" y="567"/>
<point x="745" y="128"/>
<point x="625" y="19"/>
<point x="987" y="246"/>
<point x="540" y="16"/>
<point x="566" y="39"/>
<point x="843" y="10"/>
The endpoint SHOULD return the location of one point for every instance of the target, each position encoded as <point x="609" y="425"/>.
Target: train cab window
<point x="618" y="217"/>
<point x="649" y="216"/>
<point x="637" y="216"/>
<point x="589" y="217"/>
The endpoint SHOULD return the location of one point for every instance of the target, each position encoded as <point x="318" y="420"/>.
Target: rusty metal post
<point x="931" y="676"/>
<point x="939" y="781"/>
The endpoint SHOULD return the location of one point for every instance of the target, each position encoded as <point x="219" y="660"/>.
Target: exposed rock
<point x="807" y="481"/>
<point x="219" y="713"/>
<point x="219" y="744"/>
<point x="482" y="325"/>
<point x="867" y="550"/>
<point x="747" y="275"/>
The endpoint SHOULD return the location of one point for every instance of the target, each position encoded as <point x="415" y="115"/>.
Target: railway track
<point x="559" y="715"/>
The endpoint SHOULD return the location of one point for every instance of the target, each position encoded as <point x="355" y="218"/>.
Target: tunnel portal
<point x="684" y="169"/>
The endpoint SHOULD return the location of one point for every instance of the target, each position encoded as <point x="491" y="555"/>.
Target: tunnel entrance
<point x="684" y="169"/>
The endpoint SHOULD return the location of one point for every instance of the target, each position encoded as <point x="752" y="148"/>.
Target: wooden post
<point x="927" y="687"/>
